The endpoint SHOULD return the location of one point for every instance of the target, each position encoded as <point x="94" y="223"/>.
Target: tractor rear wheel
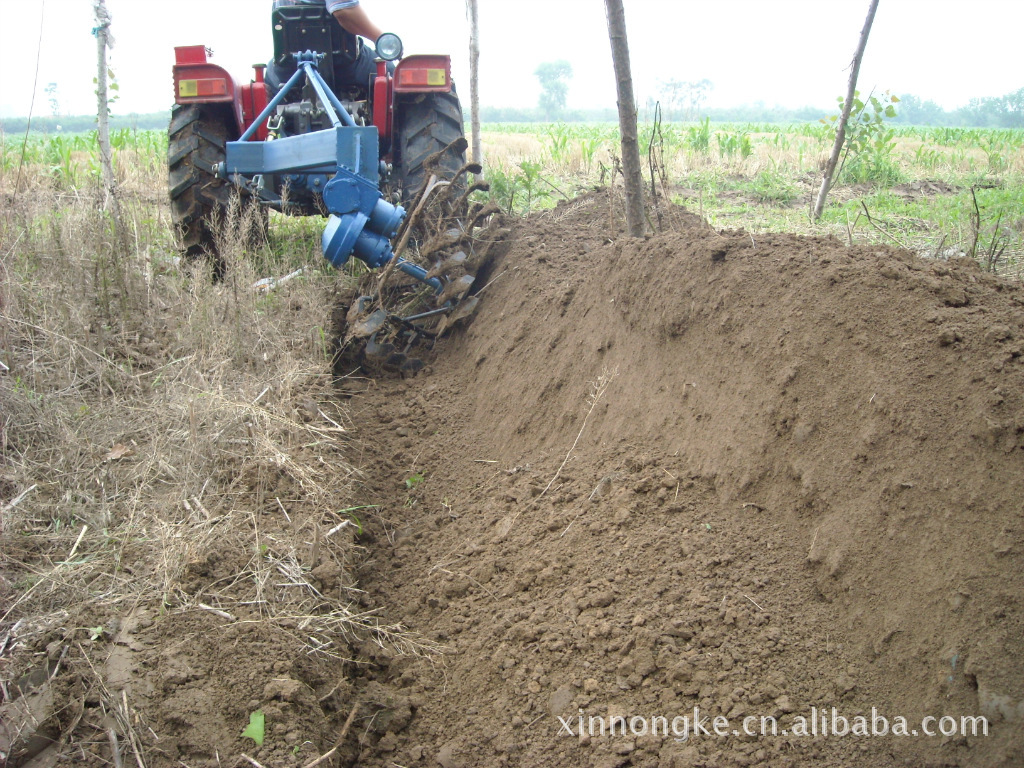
<point x="196" y="140"/>
<point x="427" y="123"/>
<point x="200" y="200"/>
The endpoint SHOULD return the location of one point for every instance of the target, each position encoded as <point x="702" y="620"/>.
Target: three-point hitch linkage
<point x="361" y="221"/>
<point x="342" y="164"/>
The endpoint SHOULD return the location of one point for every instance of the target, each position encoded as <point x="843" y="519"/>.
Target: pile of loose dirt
<point x="703" y="472"/>
<point x="751" y="475"/>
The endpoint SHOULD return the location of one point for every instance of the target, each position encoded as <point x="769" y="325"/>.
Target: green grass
<point x="916" y="184"/>
<point x="756" y="176"/>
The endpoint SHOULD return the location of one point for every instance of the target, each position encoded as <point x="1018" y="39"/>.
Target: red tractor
<point x="330" y="128"/>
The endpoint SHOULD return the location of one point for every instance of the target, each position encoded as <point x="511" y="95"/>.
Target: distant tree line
<point x="153" y="121"/>
<point x="990" y="112"/>
<point x="687" y="102"/>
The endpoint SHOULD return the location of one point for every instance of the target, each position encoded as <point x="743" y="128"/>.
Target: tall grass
<point x="152" y="421"/>
<point x="109" y="346"/>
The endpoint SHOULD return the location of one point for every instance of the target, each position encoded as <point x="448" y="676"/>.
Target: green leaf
<point x="890" y="111"/>
<point x="255" y="729"/>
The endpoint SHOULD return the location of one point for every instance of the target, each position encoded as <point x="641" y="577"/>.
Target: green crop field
<point x="936" y="191"/>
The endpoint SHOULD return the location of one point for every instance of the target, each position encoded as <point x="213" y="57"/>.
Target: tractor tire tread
<point x="428" y="124"/>
<point x="196" y="143"/>
<point x="183" y="115"/>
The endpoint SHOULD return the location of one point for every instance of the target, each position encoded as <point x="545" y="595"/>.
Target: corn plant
<point x="732" y="144"/>
<point x="558" y="138"/>
<point x="589" y="146"/>
<point x="698" y="137"/>
<point x="517" y="192"/>
<point x="63" y="168"/>
<point x="928" y="158"/>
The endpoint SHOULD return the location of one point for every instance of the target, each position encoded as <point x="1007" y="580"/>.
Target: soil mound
<point x="757" y="476"/>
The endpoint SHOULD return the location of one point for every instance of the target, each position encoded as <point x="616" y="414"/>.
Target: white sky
<point x="788" y="52"/>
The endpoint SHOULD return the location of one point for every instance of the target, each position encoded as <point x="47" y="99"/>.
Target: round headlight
<point x="389" y="46"/>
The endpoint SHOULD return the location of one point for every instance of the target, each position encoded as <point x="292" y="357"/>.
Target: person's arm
<point x="355" y="20"/>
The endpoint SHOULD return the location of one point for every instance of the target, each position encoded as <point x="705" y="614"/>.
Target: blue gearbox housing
<point x="361" y="223"/>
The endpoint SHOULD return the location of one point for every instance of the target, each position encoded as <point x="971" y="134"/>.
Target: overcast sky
<point x="787" y="52"/>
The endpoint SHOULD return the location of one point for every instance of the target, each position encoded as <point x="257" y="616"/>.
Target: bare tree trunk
<point x="631" y="171"/>
<point x="474" y="81"/>
<point x="104" y="40"/>
<point x="837" y="148"/>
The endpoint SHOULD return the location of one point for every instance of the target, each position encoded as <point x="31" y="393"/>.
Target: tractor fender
<point x="423" y="73"/>
<point x="197" y="81"/>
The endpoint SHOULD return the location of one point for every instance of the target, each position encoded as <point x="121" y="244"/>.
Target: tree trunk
<point x="474" y="82"/>
<point x="837" y="148"/>
<point x="631" y="171"/>
<point x="103" y="41"/>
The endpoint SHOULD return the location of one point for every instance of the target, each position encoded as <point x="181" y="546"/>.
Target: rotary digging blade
<point x="399" y="316"/>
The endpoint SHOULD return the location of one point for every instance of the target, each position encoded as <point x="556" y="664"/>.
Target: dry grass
<point x="152" y="422"/>
<point x="506" y="150"/>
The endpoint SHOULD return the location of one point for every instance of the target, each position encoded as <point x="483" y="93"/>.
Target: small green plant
<point x="589" y="147"/>
<point x="530" y="181"/>
<point x="558" y="135"/>
<point x="869" y="143"/>
<point x="731" y="145"/>
<point x="928" y="158"/>
<point x="996" y="151"/>
<point x="349" y="513"/>
<point x="63" y="168"/>
<point x="517" y="193"/>
<point x="412" y="482"/>
<point x="25" y="390"/>
<point x="324" y="341"/>
<point x="773" y="188"/>
<point x="256" y="729"/>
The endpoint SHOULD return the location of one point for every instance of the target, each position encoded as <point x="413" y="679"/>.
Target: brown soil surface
<point x="747" y="475"/>
<point x="752" y="475"/>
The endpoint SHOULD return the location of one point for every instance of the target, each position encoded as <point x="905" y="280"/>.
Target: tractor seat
<point x="299" y="27"/>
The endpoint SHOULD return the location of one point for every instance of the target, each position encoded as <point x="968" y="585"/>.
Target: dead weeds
<point x="168" y="446"/>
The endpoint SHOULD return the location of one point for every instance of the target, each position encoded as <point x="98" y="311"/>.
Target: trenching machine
<point x="330" y="127"/>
